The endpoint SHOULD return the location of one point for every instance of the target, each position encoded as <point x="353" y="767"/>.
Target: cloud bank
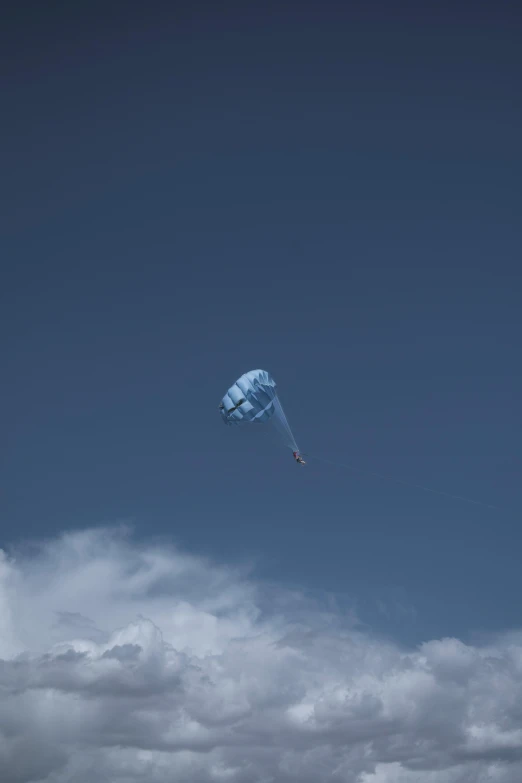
<point x="124" y="663"/>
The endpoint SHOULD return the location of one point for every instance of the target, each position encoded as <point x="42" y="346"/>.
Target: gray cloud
<point x="126" y="663"/>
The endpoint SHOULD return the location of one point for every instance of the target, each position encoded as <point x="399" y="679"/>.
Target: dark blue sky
<point x="328" y="191"/>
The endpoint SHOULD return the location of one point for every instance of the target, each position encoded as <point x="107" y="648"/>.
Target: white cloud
<point x="126" y="662"/>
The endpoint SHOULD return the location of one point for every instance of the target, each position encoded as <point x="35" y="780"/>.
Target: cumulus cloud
<point x="124" y="662"/>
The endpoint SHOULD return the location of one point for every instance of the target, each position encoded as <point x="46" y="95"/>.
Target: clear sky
<point x="333" y="196"/>
<point x="329" y="191"/>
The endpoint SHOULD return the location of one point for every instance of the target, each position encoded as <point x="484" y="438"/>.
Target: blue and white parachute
<point x="252" y="399"/>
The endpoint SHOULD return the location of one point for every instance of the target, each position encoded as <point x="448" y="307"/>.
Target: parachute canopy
<point x="252" y="399"/>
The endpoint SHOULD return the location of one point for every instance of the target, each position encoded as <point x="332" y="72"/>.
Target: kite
<point x="253" y="399"/>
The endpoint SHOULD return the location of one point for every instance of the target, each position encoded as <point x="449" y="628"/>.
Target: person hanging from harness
<point x="298" y="458"/>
